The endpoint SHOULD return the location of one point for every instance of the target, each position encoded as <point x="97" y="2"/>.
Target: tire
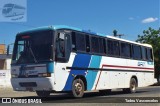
<point x="43" y="93"/>
<point x="158" y="79"/>
<point x="133" y="86"/>
<point x="78" y="88"/>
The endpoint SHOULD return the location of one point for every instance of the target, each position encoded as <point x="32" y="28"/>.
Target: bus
<point x="67" y="59"/>
<point x="11" y="10"/>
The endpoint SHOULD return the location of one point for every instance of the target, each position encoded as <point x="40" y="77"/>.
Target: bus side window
<point x="87" y="43"/>
<point x="102" y="46"/>
<point x="60" y="45"/>
<point x="63" y="47"/>
<point x="149" y="54"/>
<point x="144" y="53"/>
<point x="73" y="41"/>
<point x="95" y="44"/>
<point x="136" y="52"/>
<point x="113" y="48"/>
<point x="80" y="42"/>
<point x="125" y="50"/>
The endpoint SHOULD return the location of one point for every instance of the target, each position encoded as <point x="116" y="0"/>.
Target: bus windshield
<point x="33" y="47"/>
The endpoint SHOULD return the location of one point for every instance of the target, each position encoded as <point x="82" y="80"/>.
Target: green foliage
<point x="152" y="36"/>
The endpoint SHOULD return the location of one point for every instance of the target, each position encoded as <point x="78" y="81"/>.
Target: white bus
<point x="11" y="10"/>
<point x="62" y="58"/>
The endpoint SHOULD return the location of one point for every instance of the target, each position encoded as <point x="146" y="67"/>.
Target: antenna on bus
<point x="115" y="34"/>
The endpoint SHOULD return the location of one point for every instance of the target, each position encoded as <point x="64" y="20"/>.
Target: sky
<point x="128" y="17"/>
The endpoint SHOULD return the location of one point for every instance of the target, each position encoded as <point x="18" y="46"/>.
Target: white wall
<point x="8" y="64"/>
<point x="5" y="79"/>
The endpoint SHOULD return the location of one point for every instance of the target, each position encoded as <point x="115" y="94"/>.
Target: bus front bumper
<point x="32" y="84"/>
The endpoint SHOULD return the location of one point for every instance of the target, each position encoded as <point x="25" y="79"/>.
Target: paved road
<point x="117" y="96"/>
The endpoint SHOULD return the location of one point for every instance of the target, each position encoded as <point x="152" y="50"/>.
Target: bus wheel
<point x="43" y="93"/>
<point x="133" y="86"/>
<point x="78" y="88"/>
<point x="158" y="79"/>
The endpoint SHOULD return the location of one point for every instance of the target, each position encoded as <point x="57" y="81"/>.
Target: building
<point x="2" y="49"/>
<point x="5" y="60"/>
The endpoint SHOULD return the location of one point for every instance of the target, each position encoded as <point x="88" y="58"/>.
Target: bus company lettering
<point x="141" y="63"/>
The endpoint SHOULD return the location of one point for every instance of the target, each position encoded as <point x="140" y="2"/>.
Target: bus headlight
<point x="44" y="75"/>
<point x="14" y="75"/>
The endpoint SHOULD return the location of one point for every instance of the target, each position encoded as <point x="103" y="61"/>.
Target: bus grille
<point x="28" y="84"/>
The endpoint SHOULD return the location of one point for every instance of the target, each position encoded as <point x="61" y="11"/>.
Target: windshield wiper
<point x="35" y="60"/>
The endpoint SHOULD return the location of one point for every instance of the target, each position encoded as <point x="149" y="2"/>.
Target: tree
<point x="152" y="36"/>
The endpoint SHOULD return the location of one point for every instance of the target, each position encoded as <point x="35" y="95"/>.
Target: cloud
<point x="149" y="20"/>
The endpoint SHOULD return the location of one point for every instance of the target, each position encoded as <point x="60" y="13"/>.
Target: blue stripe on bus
<point x="91" y="76"/>
<point x="50" y="67"/>
<point x="81" y="60"/>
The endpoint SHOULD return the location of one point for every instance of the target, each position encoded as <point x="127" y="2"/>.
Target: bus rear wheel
<point x="158" y="79"/>
<point x="43" y="93"/>
<point x="133" y="86"/>
<point x="78" y="88"/>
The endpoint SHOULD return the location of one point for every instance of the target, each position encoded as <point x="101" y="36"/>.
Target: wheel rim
<point x="159" y="78"/>
<point x="133" y="86"/>
<point x="78" y="88"/>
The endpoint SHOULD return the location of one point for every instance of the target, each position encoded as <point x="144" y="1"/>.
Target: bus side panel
<point x="145" y="76"/>
<point x="109" y="78"/>
<point x="61" y="73"/>
<point x="91" y="74"/>
<point x="82" y="61"/>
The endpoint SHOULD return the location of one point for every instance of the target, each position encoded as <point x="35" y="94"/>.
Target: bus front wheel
<point x="43" y="93"/>
<point x="78" y="88"/>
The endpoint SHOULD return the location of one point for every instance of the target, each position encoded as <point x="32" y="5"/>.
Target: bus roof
<point x="142" y="44"/>
<point x="56" y="27"/>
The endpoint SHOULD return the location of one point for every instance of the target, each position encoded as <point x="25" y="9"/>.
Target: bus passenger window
<point x="95" y="45"/>
<point x="125" y="50"/>
<point x="136" y="52"/>
<point x="80" y="42"/>
<point x="102" y="46"/>
<point x="144" y="53"/>
<point x="113" y="48"/>
<point x="73" y="41"/>
<point x="87" y="43"/>
<point x="149" y="54"/>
